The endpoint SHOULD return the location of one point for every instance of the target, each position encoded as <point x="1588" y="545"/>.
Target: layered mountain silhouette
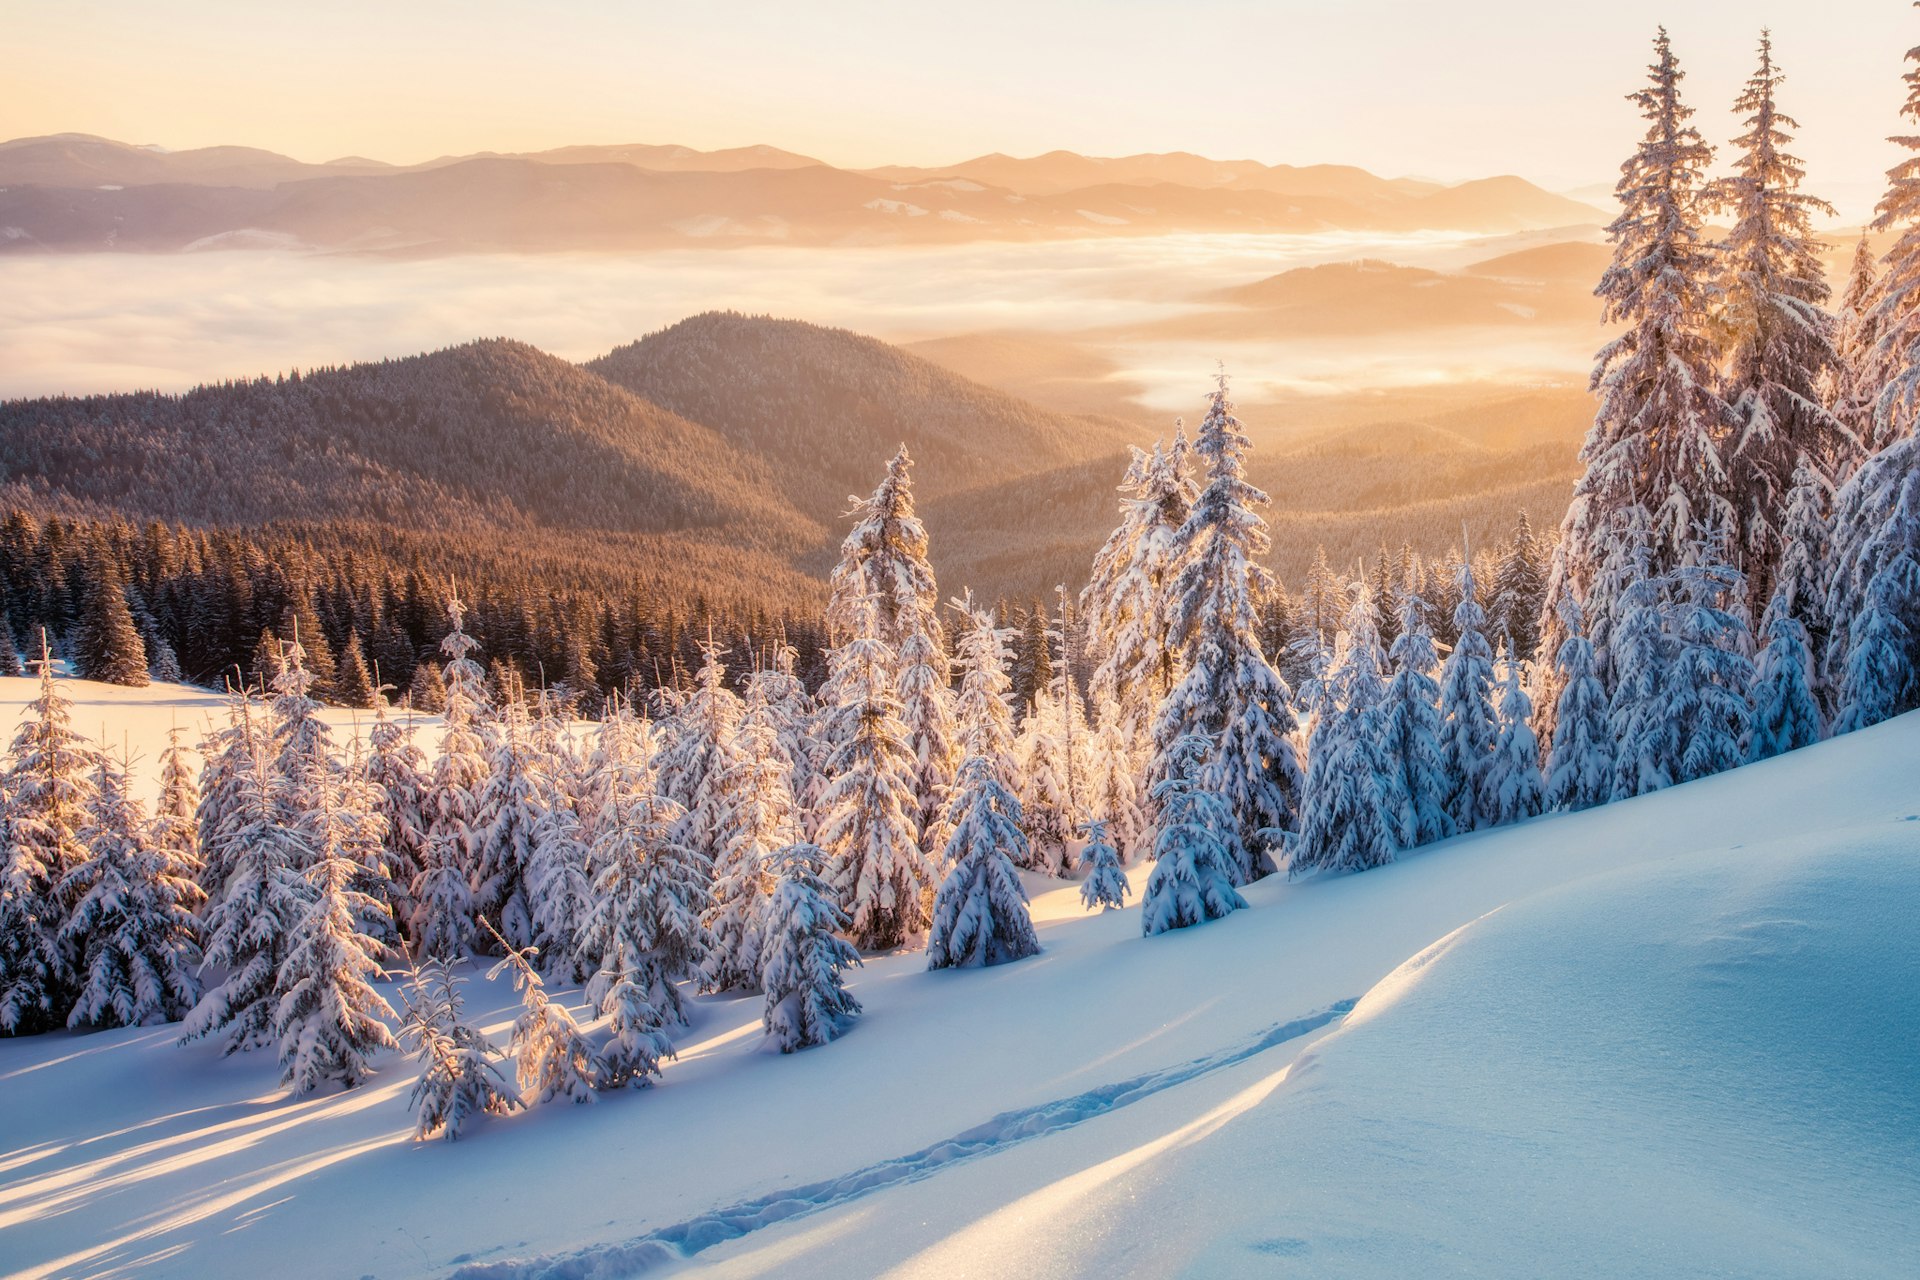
<point x="76" y="192"/>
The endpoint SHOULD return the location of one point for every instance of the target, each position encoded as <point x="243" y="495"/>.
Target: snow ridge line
<point x="681" y="1240"/>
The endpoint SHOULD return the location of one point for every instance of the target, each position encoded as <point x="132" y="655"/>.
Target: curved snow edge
<point x="679" y="1241"/>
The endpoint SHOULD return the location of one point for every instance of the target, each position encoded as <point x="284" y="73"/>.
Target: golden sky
<point x="1455" y="90"/>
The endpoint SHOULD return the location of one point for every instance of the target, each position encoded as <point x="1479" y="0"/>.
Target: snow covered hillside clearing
<point x="1673" y="1034"/>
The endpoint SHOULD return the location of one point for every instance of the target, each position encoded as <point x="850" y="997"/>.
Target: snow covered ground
<point x="1671" y="1036"/>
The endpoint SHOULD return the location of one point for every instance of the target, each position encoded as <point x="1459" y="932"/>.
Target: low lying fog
<point x="107" y="322"/>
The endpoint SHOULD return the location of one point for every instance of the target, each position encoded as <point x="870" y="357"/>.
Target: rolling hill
<point x="716" y="457"/>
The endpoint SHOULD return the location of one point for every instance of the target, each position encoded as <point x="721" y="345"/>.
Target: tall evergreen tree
<point x="1580" y="763"/>
<point x="984" y="709"/>
<point x="1229" y="694"/>
<point x="874" y="859"/>
<point x="1413" y="730"/>
<point x="328" y="1019"/>
<point x="807" y="1002"/>
<point x="1711" y="679"/>
<point x="49" y="790"/>
<point x="128" y="926"/>
<point x="1519" y="590"/>
<point x="1355" y="804"/>
<point x="1469" y="725"/>
<point x="1126" y="599"/>
<point x="1786" y="716"/>
<point x="1854" y="387"/>
<point x="762" y="819"/>
<point x="1892" y="372"/>
<point x="108" y="646"/>
<point x="456" y="821"/>
<point x="1513" y="788"/>
<point x="1778" y="341"/>
<point x="1192" y="879"/>
<point x="512" y="799"/>
<point x="651" y="891"/>
<point x="395" y="768"/>
<point x="980" y="915"/>
<point x="259" y="901"/>
<point x="176" y="826"/>
<point x="1658" y="437"/>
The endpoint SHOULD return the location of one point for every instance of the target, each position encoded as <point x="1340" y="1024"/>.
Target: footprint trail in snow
<point x="681" y="1240"/>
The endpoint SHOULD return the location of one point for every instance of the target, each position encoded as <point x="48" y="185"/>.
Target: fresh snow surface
<point x="1669" y="1036"/>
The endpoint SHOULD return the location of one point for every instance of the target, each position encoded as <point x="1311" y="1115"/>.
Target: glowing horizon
<point x="858" y="84"/>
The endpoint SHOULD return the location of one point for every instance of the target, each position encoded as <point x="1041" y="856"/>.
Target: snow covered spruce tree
<point x="1579" y="770"/>
<point x="984" y="709"/>
<point x="926" y="711"/>
<point x="1777" y="339"/>
<point x="691" y="767"/>
<point x="761" y="820"/>
<point x="128" y="928"/>
<point x="1046" y="796"/>
<point x="49" y="790"/>
<point x="511" y="801"/>
<point x="980" y="915"/>
<point x="807" y="1002"/>
<point x="176" y="827"/>
<point x="1657" y="439"/>
<point x="29" y="949"/>
<point x="1354" y="804"/>
<point x="460" y="1077"/>
<point x="456" y="820"/>
<point x="551" y="1057"/>
<point x="558" y="882"/>
<point x="1229" y="695"/>
<point x="328" y="1019"/>
<point x="883" y="585"/>
<point x="789" y="708"/>
<point x="1856" y="376"/>
<point x="1646" y="743"/>
<point x="1113" y="788"/>
<point x="1513" y="788"/>
<point x="395" y="767"/>
<point x="1194" y="847"/>
<point x="262" y="897"/>
<point x="1519" y="589"/>
<point x="1786" y="716"/>
<point x="107" y="646"/>
<point x="1125" y="601"/>
<point x="1873" y="596"/>
<point x="1412" y="729"/>
<point x="228" y="757"/>
<point x="644" y="928"/>
<point x="1468" y="723"/>
<point x="884" y="588"/>
<point x="867" y="828"/>
<point x="300" y="742"/>
<point x="1891" y="370"/>
<point x="1105" y="887"/>
<point x="1711" y="678"/>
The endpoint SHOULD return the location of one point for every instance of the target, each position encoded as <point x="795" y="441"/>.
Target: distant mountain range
<point x="75" y="192"/>
<point x="715" y="458"/>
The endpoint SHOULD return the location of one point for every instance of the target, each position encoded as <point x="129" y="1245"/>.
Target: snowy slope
<point x="1656" y="1004"/>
